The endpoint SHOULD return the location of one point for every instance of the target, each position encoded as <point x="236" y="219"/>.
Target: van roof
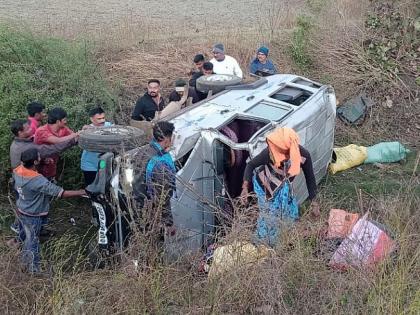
<point x="255" y="103"/>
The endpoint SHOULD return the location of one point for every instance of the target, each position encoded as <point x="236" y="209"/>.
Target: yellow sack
<point x="347" y="157"/>
<point x="235" y="255"/>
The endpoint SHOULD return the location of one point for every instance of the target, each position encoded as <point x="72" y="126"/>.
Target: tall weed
<point x="299" y="43"/>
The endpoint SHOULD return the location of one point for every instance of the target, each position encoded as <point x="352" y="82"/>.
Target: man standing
<point x="89" y="161"/>
<point x="224" y="64"/>
<point x="54" y="132"/>
<point x="180" y="87"/>
<point x="261" y="65"/>
<point x="23" y="140"/>
<point x="36" y="115"/>
<point x="207" y="70"/>
<point x="150" y="103"/>
<point x="198" y="62"/>
<point x="154" y="182"/>
<point x="35" y="194"/>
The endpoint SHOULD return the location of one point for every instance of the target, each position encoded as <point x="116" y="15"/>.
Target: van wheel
<point x="216" y="82"/>
<point x="112" y="139"/>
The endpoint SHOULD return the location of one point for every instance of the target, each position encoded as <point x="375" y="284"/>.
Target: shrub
<point x="392" y="41"/>
<point x="299" y="43"/>
<point x="54" y="72"/>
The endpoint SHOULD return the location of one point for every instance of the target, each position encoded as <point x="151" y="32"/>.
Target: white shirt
<point x="229" y="65"/>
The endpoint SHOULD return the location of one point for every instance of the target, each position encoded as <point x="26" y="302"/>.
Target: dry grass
<point x="293" y="280"/>
<point x="343" y="60"/>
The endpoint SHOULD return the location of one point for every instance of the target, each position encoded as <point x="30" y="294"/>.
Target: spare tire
<point x="216" y="82"/>
<point x="112" y="139"/>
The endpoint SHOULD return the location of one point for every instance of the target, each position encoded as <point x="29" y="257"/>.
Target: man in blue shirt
<point x="261" y="65"/>
<point x="154" y="183"/>
<point x="89" y="161"/>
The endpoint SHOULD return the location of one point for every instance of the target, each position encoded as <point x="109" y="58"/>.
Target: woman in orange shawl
<point x="283" y="146"/>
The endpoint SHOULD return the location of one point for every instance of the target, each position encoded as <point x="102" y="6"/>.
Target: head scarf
<point x="285" y="139"/>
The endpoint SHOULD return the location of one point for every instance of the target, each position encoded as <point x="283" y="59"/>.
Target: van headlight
<point x="129" y="175"/>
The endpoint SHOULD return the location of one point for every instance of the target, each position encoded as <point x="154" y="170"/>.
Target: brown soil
<point x="93" y="16"/>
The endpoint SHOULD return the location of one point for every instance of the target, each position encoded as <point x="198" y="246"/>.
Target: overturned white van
<point x="249" y="112"/>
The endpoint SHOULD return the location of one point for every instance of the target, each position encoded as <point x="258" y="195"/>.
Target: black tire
<point x="94" y="256"/>
<point x="216" y="82"/>
<point x="111" y="139"/>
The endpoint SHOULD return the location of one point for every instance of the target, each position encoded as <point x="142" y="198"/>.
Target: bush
<point x="54" y="72"/>
<point x="392" y="41"/>
<point x="299" y="43"/>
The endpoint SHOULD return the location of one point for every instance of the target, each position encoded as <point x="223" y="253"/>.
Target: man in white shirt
<point x="224" y="64"/>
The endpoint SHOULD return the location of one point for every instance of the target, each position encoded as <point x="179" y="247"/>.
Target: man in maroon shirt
<point x="55" y="131"/>
<point x="36" y="115"/>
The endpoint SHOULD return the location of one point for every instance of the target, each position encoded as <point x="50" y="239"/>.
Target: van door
<point x="192" y="205"/>
<point x="219" y="165"/>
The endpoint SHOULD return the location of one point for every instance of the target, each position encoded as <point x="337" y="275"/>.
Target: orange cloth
<point x="284" y="145"/>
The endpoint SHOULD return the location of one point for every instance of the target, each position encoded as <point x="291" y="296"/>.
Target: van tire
<point x="205" y="84"/>
<point x="112" y="139"/>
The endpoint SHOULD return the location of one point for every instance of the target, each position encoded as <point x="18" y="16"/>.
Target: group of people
<point x="34" y="154"/>
<point x="153" y="102"/>
<point x="35" y="150"/>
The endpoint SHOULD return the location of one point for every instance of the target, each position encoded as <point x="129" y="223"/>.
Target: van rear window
<point x="292" y="95"/>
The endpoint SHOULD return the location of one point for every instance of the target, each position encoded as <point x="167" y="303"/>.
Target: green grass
<point x="55" y="72"/>
<point x="370" y="180"/>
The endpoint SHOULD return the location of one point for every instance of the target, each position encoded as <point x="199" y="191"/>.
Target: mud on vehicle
<point x="236" y="120"/>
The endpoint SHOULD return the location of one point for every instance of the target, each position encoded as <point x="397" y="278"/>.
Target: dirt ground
<point x="75" y="17"/>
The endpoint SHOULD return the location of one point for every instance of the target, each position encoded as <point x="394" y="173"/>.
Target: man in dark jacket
<point x="33" y="203"/>
<point x="150" y="103"/>
<point x="206" y="71"/>
<point x="154" y="182"/>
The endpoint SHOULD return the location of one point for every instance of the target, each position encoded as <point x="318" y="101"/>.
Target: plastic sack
<point x="366" y="245"/>
<point x="340" y="223"/>
<point x="281" y="208"/>
<point x="347" y="157"/>
<point x="235" y="255"/>
<point x="386" y="152"/>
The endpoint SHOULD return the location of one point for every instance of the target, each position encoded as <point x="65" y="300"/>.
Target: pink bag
<point x="340" y="223"/>
<point x="366" y="245"/>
